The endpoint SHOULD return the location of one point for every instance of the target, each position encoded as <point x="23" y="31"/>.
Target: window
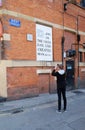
<point x="82" y="3"/>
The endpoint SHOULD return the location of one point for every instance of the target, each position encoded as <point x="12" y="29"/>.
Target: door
<point x="43" y="83"/>
<point x="70" y="74"/>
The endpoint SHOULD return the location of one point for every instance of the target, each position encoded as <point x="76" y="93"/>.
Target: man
<point x="59" y="72"/>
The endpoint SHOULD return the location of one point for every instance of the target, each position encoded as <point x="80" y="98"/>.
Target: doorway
<point x="70" y="74"/>
<point x="43" y="83"/>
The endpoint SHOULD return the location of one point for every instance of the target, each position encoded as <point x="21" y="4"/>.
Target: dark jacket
<point x="60" y="75"/>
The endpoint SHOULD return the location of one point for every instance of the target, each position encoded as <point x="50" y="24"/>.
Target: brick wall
<point x="19" y="48"/>
<point x="24" y="81"/>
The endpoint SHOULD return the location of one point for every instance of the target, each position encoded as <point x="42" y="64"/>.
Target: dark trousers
<point x="62" y="92"/>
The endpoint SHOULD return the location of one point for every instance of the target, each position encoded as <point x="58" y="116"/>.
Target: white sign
<point x="43" y="43"/>
<point x="6" y="37"/>
<point x="29" y="37"/>
<point x="64" y="55"/>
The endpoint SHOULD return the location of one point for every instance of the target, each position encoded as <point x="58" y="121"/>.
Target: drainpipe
<point x="63" y="38"/>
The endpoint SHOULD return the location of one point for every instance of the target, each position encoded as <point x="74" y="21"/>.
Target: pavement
<point x="39" y="113"/>
<point x="19" y="105"/>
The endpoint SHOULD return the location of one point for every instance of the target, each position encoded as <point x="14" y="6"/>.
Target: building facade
<point x="34" y="36"/>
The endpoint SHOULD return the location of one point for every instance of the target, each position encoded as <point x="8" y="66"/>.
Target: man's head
<point x="60" y="66"/>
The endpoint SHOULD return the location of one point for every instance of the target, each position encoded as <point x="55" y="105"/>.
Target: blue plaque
<point x="14" y="22"/>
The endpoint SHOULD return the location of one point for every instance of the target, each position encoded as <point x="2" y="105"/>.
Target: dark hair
<point x="60" y="66"/>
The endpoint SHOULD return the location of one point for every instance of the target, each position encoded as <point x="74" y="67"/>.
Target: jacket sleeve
<point x="53" y="72"/>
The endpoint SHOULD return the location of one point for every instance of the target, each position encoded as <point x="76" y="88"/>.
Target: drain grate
<point x="17" y="111"/>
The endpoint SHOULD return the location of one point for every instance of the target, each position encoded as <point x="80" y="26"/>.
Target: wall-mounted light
<point x="72" y="1"/>
<point x="1" y="38"/>
<point x="68" y="2"/>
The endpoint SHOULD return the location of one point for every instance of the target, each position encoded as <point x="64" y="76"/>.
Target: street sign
<point x="14" y="22"/>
